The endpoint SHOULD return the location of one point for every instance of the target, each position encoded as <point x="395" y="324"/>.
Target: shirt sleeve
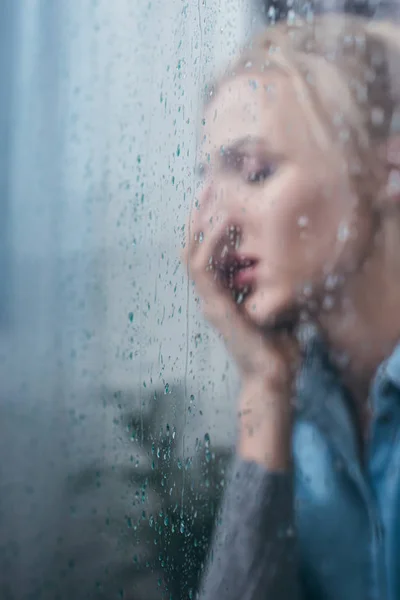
<point x="253" y="555"/>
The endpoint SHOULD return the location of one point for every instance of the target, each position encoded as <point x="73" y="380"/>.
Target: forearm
<point x="254" y="554"/>
<point x="254" y="550"/>
<point x="265" y="424"/>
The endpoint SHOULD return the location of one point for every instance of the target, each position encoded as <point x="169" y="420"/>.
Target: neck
<point x="363" y="327"/>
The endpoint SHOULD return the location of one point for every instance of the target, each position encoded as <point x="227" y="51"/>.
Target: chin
<point x="270" y="310"/>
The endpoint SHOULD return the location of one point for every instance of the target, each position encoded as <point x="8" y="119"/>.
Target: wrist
<point x="265" y="422"/>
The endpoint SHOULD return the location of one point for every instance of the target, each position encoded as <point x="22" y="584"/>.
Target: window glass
<point x="119" y="417"/>
<point x="116" y="397"/>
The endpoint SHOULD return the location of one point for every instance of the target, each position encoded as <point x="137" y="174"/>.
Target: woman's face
<point x="300" y="222"/>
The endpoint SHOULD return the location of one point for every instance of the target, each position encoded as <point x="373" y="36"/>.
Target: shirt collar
<point x="387" y="373"/>
<point x="392" y="367"/>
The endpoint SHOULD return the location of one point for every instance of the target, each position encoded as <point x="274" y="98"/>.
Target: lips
<point x="244" y="275"/>
<point x="237" y="271"/>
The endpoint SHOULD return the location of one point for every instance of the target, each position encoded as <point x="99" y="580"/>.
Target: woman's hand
<point x="267" y="361"/>
<point x="259" y="353"/>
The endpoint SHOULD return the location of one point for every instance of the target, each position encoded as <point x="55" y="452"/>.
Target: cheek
<point x="301" y="225"/>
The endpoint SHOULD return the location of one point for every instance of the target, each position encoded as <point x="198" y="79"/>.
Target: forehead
<point x="253" y="106"/>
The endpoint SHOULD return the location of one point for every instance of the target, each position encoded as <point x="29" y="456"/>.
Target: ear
<point x="392" y="159"/>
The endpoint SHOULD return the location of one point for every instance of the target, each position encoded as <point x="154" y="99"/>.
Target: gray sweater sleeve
<point x="253" y="554"/>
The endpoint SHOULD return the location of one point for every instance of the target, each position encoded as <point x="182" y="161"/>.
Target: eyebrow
<point x="248" y="141"/>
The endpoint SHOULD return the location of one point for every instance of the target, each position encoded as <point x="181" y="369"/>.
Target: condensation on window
<point x="116" y="420"/>
<point x="118" y="415"/>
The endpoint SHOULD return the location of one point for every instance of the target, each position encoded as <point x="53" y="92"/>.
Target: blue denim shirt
<point x="331" y="530"/>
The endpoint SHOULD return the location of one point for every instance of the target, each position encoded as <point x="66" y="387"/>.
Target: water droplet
<point x="377" y="116"/>
<point x="291" y="17"/>
<point x="290" y="532"/>
<point x="393" y="187"/>
<point x="331" y="282"/>
<point x="343" y="232"/>
<point x="328" y="302"/>
<point x="303" y="221"/>
<point x="130" y="317"/>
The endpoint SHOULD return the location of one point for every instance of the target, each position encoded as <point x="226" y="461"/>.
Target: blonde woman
<point x="298" y="223"/>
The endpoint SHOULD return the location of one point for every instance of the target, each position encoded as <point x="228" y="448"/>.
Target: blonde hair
<point x="346" y="72"/>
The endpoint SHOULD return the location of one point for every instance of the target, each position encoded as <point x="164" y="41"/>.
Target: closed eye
<point x="260" y="175"/>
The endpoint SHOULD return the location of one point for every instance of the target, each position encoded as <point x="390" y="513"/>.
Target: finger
<point x="192" y="234"/>
<point x="190" y="239"/>
<point x="203" y="255"/>
<point x="200" y="233"/>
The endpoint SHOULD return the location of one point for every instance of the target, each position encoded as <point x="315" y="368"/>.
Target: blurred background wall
<point x="104" y="111"/>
